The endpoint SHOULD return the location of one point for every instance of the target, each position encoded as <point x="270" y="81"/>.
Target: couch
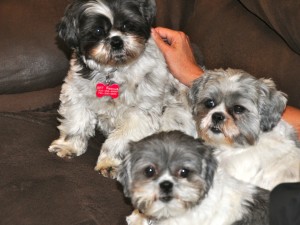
<point x="36" y="187"/>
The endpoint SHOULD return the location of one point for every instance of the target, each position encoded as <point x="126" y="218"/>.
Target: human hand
<point x="176" y="48"/>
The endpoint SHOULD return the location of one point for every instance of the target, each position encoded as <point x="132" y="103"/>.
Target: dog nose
<point x="166" y="186"/>
<point x="218" y="117"/>
<point x="116" y="43"/>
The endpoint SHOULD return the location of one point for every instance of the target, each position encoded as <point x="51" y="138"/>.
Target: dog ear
<point x="68" y="26"/>
<point x="124" y="175"/>
<point x="209" y="162"/>
<point x="195" y="91"/>
<point x="271" y="104"/>
<point x="148" y="10"/>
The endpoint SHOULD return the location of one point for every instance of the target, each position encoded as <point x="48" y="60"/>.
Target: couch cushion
<point x="37" y="187"/>
<point x="45" y="99"/>
<point x="285" y="204"/>
<point x="30" y="57"/>
<point x="231" y="36"/>
<point x="283" y="16"/>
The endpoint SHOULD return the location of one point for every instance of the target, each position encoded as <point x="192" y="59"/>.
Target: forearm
<point x="292" y="116"/>
<point x="191" y="75"/>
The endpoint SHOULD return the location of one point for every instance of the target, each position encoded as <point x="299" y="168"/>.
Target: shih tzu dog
<point x="241" y="115"/>
<point x="118" y="81"/>
<point x="173" y="179"/>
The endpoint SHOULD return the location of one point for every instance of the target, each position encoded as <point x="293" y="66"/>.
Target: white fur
<point x="224" y="204"/>
<point x="271" y="156"/>
<point x="144" y="93"/>
<point x="148" y="193"/>
<point x="274" y="159"/>
<point x="99" y="7"/>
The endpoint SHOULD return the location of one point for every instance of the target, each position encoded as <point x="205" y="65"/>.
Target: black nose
<point x="166" y="186"/>
<point x="218" y="117"/>
<point x="116" y="43"/>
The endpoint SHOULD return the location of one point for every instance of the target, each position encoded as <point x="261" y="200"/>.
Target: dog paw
<point x="61" y="150"/>
<point x="108" y="167"/>
<point x="136" y="218"/>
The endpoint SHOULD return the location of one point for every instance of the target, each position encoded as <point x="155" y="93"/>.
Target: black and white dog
<point x="173" y="179"/>
<point x="118" y="81"/>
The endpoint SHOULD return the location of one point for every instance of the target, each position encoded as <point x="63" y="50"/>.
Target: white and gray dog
<point x="173" y="179"/>
<point x="118" y="81"/>
<point x="241" y="115"/>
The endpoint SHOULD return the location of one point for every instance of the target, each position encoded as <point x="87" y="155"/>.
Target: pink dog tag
<point x="107" y="90"/>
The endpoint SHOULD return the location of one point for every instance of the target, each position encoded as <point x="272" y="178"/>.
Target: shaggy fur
<point x="173" y="179"/>
<point x="111" y="44"/>
<point x="241" y="115"/>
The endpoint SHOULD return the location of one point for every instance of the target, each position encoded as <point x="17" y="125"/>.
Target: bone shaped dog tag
<point x="111" y="90"/>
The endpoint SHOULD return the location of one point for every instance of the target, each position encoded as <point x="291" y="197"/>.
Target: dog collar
<point x="109" y="75"/>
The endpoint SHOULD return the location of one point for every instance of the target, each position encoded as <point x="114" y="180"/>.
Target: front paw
<point x="108" y="166"/>
<point x="136" y="218"/>
<point x="62" y="149"/>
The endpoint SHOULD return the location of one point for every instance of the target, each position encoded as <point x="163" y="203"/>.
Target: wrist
<point x="195" y="73"/>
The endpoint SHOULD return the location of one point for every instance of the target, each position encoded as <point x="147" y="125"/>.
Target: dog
<point x="173" y="179"/>
<point x="241" y="116"/>
<point x="118" y="81"/>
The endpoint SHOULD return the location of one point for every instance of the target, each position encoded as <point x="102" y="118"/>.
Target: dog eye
<point x="149" y="171"/>
<point x="238" y="109"/>
<point x="209" y="104"/>
<point x="127" y="27"/>
<point x="184" y="173"/>
<point x="99" y="31"/>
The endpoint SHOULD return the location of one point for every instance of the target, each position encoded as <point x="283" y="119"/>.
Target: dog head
<point x="107" y="32"/>
<point x="232" y="107"/>
<point x="167" y="173"/>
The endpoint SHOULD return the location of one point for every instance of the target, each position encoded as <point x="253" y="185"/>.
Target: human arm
<point x="176" y="48"/>
<point x="292" y="116"/>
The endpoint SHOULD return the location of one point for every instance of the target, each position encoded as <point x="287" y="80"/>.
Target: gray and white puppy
<point x="241" y="115"/>
<point x="173" y="179"/>
<point x="118" y="81"/>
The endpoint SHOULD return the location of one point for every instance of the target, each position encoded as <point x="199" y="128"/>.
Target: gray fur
<point x="241" y="115"/>
<point x="168" y="152"/>
<point x="173" y="148"/>
<point x="111" y="43"/>
<point x="271" y="104"/>
<point x="257" y="210"/>
<point x="236" y="87"/>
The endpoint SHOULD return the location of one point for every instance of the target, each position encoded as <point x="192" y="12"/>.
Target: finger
<point x="168" y="34"/>
<point x="159" y="41"/>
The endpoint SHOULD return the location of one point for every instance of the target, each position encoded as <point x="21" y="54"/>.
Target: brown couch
<point x="36" y="187"/>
